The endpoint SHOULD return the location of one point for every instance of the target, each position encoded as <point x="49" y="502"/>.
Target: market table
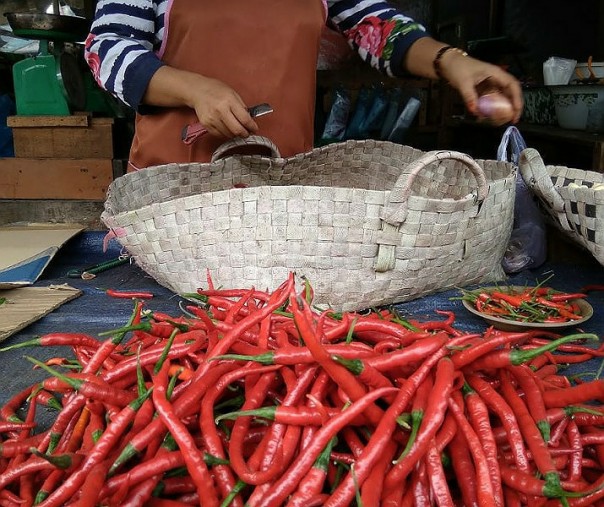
<point x="94" y="312"/>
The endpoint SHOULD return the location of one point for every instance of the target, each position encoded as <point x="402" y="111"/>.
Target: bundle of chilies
<point x="260" y="399"/>
<point x="530" y="304"/>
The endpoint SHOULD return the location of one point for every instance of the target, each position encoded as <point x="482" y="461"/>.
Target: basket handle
<point x="231" y="146"/>
<point x="395" y="210"/>
<point x="536" y="176"/>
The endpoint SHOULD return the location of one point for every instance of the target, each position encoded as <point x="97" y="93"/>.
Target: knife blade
<point x="194" y="130"/>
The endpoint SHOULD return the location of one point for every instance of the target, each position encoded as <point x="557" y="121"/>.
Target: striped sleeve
<point x="377" y="31"/>
<point x="120" y="49"/>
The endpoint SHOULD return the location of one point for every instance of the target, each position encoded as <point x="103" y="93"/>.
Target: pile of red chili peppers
<point x="260" y="399"/>
<point x="528" y="304"/>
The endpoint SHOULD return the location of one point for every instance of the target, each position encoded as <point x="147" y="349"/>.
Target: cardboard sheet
<point x="26" y="250"/>
<point x="25" y="305"/>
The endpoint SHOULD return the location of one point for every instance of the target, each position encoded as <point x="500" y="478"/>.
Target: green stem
<point x="518" y="356"/>
<point x="237" y="488"/>
<point x="545" y="429"/>
<point x="164" y="353"/>
<point x="355" y="366"/>
<point x="264" y="412"/>
<point x="416" y="420"/>
<point x="35" y="342"/>
<point x="573" y="409"/>
<point x="62" y="461"/>
<point x="265" y="358"/>
<point x="72" y="382"/>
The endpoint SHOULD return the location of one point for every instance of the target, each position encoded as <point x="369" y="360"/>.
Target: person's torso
<point x="265" y="50"/>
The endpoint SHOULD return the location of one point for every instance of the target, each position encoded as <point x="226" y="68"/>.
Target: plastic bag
<point x="376" y="113"/>
<point x="392" y="112"/>
<point x="335" y="126"/>
<point x="404" y="121"/>
<point x="527" y="247"/>
<point x="558" y="71"/>
<point x="355" y="129"/>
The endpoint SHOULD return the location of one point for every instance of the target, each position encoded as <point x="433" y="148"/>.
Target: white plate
<point x="512" y="325"/>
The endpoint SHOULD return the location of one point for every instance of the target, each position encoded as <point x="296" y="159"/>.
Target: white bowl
<point x="583" y="70"/>
<point x="579" y="107"/>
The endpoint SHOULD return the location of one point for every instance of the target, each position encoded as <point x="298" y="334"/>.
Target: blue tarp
<point x="95" y="312"/>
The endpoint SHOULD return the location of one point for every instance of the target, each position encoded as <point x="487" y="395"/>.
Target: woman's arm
<point x="120" y="51"/>
<point x="120" y="47"/>
<point x="397" y="45"/>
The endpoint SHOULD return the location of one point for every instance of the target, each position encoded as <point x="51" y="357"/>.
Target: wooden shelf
<point x="572" y="148"/>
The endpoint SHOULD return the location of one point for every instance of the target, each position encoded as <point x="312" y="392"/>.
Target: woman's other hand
<point x="488" y="91"/>
<point x="472" y="78"/>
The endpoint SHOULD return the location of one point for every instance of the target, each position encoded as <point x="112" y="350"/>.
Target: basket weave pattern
<point x="366" y="222"/>
<point x="573" y="199"/>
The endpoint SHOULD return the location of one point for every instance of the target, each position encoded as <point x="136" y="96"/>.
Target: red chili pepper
<point x="530" y="431"/>
<point x="37" y="464"/>
<point x="479" y="418"/>
<point x="566" y="296"/>
<point x="575" y="471"/>
<point x="372" y="488"/>
<point x="503" y="358"/>
<point x="588" y="391"/>
<point x="98" y="389"/>
<point x="505" y="414"/>
<point x="534" y="397"/>
<point x="468" y="355"/>
<point x="312" y="483"/>
<point x="417" y="413"/>
<point x="484" y="487"/>
<point x="286" y="484"/>
<point x="157" y="465"/>
<point x="366" y="373"/>
<point x="515" y="300"/>
<point x="464" y="469"/>
<point x="193" y="457"/>
<point x="129" y="294"/>
<point x="89" y="492"/>
<point x="343" y="378"/>
<point x="433" y="418"/>
<point x="96" y="454"/>
<point x="528" y="484"/>
<point x="57" y="339"/>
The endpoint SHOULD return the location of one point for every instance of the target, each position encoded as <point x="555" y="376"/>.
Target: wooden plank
<point x="88" y="141"/>
<point x="28" y="304"/>
<point x="38" y="178"/>
<point x="48" y="121"/>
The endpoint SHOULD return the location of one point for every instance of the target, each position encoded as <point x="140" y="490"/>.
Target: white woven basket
<point x="573" y="199"/>
<point x="368" y="223"/>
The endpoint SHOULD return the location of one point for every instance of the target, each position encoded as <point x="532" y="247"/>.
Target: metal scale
<point x="51" y="82"/>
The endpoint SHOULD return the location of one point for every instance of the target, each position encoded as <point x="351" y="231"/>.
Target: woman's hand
<point x="472" y="78"/>
<point x="219" y="108"/>
<point x="487" y="90"/>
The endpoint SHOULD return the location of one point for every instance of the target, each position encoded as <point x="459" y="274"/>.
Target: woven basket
<point x="572" y="198"/>
<point x="368" y="223"/>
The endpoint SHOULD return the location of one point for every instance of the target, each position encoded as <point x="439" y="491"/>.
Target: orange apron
<point x="266" y="50"/>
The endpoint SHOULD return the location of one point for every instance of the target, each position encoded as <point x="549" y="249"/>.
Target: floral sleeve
<point x="377" y="31"/>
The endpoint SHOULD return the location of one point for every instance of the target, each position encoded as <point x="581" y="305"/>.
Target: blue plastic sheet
<point x="95" y="312"/>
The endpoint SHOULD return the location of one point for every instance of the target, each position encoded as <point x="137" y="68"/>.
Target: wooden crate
<point x="40" y="178"/>
<point x="76" y="136"/>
